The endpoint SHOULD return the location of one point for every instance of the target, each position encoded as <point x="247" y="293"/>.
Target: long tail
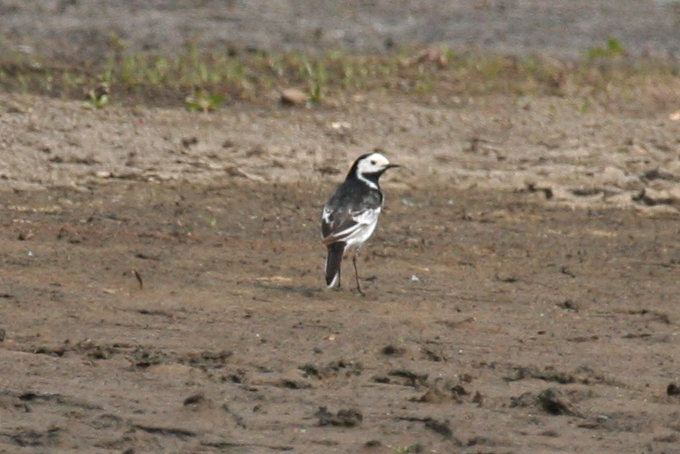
<point x="333" y="262"/>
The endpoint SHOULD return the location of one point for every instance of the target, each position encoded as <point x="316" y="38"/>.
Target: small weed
<point x="202" y="101"/>
<point x="97" y="101"/>
<point x="100" y="96"/>
<point x="612" y="49"/>
<point x="317" y="78"/>
<point x="23" y="81"/>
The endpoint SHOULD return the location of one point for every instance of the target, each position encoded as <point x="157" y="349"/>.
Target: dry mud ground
<point x="162" y="283"/>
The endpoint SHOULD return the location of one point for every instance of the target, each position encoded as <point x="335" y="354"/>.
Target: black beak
<point x="390" y="166"/>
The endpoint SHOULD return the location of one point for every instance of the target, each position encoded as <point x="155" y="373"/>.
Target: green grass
<point x="202" y="81"/>
<point x="612" y="49"/>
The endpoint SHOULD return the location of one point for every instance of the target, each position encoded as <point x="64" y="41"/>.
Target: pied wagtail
<point x="351" y="214"/>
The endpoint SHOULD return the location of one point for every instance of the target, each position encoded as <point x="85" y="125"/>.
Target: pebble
<point x="293" y="96"/>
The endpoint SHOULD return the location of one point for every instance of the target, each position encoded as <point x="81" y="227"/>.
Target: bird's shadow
<point x="319" y="293"/>
<point x="307" y="292"/>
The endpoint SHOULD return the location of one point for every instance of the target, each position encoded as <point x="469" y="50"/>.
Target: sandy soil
<point x="162" y="284"/>
<point x="162" y="280"/>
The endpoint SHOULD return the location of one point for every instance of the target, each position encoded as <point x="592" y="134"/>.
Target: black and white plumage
<point x="351" y="214"/>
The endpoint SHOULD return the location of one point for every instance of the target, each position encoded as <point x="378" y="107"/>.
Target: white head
<point x="372" y="164"/>
<point x="369" y="167"/>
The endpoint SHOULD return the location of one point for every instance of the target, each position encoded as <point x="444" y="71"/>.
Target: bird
<point x="351" y="214"/>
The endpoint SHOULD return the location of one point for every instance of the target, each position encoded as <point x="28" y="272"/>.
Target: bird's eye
<point x="372" y="163"/>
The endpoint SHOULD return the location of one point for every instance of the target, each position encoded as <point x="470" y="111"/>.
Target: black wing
<point x="352" y="205"/>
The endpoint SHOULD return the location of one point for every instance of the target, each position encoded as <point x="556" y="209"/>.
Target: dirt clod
<point x="346" y="417"/>
<point x="404" y="377"/>
<point x="555" y="402"/>
<point x="391" y="350"/>
<point x="442" y="427"/>
<point x="194" y="399"/>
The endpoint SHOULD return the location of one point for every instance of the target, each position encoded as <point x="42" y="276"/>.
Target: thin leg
<point x="356" y="272"/>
